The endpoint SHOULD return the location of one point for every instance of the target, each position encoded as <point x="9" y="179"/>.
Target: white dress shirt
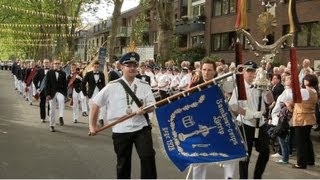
<point x="114" y="97"/>
<point x="251" y="104"/>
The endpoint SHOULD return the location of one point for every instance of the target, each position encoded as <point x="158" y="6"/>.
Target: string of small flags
<point x="32" y="12"/>
<point x="34" y="25"/>
<point x="36" y="34"/>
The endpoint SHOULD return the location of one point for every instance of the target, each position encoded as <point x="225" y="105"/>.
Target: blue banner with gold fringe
<point x="199" y="129"/>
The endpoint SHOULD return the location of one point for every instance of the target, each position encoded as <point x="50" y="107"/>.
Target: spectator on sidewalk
<point x="303" y="119"/>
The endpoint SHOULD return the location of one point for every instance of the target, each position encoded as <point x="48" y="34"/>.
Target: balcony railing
<point x="186" y="25"/>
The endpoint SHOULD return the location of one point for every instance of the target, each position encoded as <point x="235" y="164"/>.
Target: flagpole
<point x="167" y="100"/>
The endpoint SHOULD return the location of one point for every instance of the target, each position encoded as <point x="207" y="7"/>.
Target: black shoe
<point x="52" y="129"/>
<point x="101" y="122"/>
<point x="75" y="121"/>
<point x="43" y="120"/>
<point x="61" y="121"/>
<point x="310" y="164"/>
<point x="84" y="114"/>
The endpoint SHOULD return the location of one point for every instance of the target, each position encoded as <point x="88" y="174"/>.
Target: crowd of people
<point x="106" y="97"/>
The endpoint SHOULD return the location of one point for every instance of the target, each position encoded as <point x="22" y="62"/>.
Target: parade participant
<point x="135" y="130"/>
<point x="115" y="73"/>
<point x="142" y="73"/>
<point x="149" y="73"/>
<point x="21" y="77"/>
<point x="30" y="86"/>
<point x="14" y="70"/>
<point x="95" y="81"/>
<point x="185" y="79"/>
<point x="248" y="115"/>
<point x="74" y="83"/>
<point x="56" y="91"/>
<point x="164" y="83"/>
<point x="208" y="72"/>
<point x="84" y="102"/>
<point x="175" y="80"/>
<point x="39" y="80"/>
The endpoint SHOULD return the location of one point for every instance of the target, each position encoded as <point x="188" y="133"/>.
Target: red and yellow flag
<point x="241" y="22"/>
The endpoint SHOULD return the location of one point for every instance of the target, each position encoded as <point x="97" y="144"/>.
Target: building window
<point x="155" y="37"/>
<point x="223" y="41"/>
<point x="223" y="7"/>
<point x="197" y="41"/>
<point x="309" y="36"/>
<point x="198" y="10"/>
<point x="226" y="41"/>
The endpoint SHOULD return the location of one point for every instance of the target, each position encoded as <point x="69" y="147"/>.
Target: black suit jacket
<point x="76" y="83"/>
<point x="53" y="85"/>
<point x="38" y="77"/>
<point x="277" y="91"/>
<point x="92" y="84"/>
<point x="113" y="75"/>
<point x="144" y="77"/>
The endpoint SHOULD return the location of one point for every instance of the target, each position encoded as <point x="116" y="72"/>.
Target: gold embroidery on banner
<point x="177" y="138"/>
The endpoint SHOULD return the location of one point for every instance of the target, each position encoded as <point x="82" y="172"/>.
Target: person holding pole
<point x="208" y="72"/>
<point x="126" y="96"/>
<point x="253" y="125"/>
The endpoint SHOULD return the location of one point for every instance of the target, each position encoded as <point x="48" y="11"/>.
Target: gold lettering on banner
<point x="223" y="116"/>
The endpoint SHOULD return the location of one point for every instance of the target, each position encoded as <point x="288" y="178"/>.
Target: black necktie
<point x="96" y="73"/>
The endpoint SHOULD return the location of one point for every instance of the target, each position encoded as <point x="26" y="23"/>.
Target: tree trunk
<point x="165" y="11"/>
<point x="115" y="24"/>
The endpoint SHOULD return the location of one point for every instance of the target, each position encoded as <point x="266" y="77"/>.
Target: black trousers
<point x="262" y="146"/>
<point x="163" y="94"/>
<point x="42" y="106"/>
<point x="123" y="143"/>
<point x="305" y="154"/>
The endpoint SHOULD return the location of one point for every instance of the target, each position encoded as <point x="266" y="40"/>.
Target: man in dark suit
<point x="74" y="85"/>
<point x="115" y="73"/>
<point x="56" y="91"/>
<point x="277" y="89"/>
<point x="95" y="81"/>
<point x="142" y="73"/>
<point x="38" y="79"/>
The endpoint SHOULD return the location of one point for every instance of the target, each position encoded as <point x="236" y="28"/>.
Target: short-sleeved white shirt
<point x="251" y="103"/>
<point x="114" y="97"/>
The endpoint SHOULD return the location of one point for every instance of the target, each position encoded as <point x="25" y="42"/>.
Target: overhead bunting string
<point x="36" y="34"/>
<point x="32" y="12"/>
<point x="26" y="44"/>
<point x="294" y="28"/>
<point x="35" y="25"/>
<point x="32" y="40"/>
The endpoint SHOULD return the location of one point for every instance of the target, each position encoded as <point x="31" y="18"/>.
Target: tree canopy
<point x="37" y="29"/>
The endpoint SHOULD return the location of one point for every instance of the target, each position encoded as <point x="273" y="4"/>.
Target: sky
<point x="104" y="11"/>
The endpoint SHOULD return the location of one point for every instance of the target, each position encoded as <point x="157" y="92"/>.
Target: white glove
<point x="253" y="114"/>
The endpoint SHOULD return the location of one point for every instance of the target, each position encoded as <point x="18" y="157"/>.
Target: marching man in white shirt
<point x="134" y="131"/>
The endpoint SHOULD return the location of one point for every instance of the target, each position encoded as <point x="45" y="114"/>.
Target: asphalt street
<point x="28" y="150"/>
